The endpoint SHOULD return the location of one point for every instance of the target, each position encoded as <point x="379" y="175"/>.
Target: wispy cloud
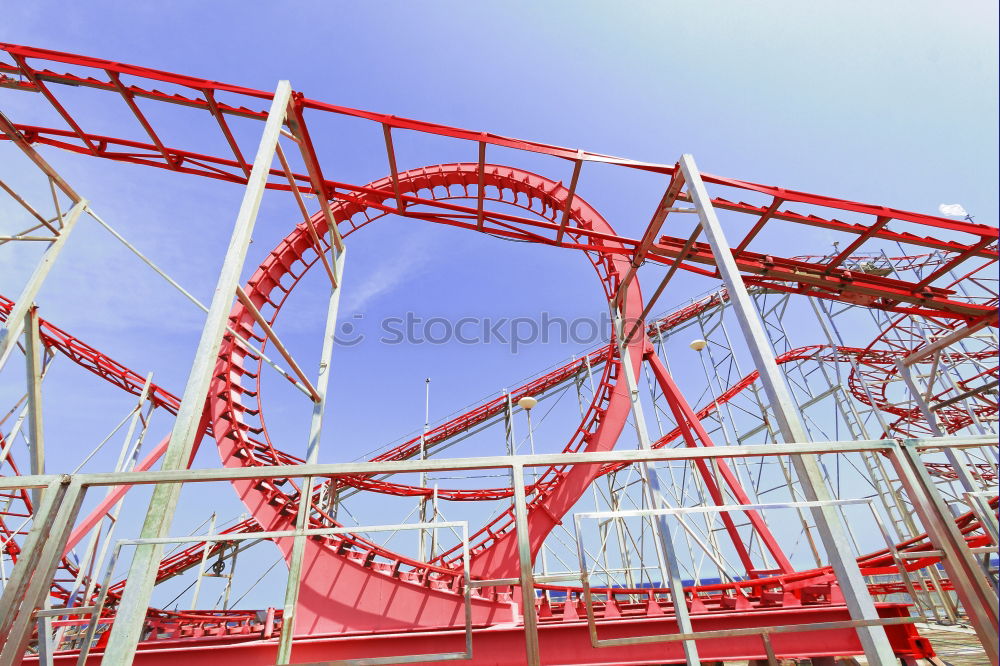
<point x="391" y="272"/>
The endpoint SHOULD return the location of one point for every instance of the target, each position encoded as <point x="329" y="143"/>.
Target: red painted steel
<point x="351" y="584"/>
<point x="79" y="352"/>
<point x="88" y="357"/>
<point x="562" y="641"/>
<point x="395" y="596"/>
<point x="827" y="281"/>
<point x="243" y="625"/>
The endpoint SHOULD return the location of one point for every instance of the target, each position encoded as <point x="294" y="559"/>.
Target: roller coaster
<point x="907" y="369"/>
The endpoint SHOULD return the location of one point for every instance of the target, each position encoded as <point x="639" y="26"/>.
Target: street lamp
<point x="527" y="402"/>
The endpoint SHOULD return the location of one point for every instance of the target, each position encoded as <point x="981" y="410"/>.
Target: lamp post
<point x="527" y="403"/>
<point x="422" y="546"/>
<point x="699" y="345"/>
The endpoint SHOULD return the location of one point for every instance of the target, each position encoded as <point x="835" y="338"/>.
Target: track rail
<point x="29" y="69"/>
<point x="115" y="373"/>
<point x="375" y="588"/>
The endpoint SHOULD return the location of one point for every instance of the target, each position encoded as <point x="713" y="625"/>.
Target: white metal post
<point x="974" y="590"/>
<point x="669" y="569"/>
<point x="91" y="559"/>
<point x="15" y="321"/>
<point x="202" y="563"/>
<point x="51" y="548"/>
<point x="33" y="356"/>
<point x="127" y="628"/>
<point x="31" y="550"/>
<point x="964" y="477"/>
<point x="527" y="577"/>
<point x="422" y="535"/>
<point x="312" y="457"/>
<point x="36" y="440"/>
<point x="542" y="556"/>
<point x="126" y="463"/>
<point x="828" y="522"/>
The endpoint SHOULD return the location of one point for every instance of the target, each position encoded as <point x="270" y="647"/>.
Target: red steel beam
<point x="21" y="53"/>
<point x="829" y="279"/>
<point x="831" y="283"/>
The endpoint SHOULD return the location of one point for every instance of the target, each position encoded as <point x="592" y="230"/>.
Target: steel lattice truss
<point x="918" y="299"/>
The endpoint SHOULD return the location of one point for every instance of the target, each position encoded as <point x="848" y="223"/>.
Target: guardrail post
<point x="527" y="579"/>
<point x="665" y="555"/>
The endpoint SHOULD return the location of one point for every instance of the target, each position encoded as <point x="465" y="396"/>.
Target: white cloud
<point x="386" y="276"/>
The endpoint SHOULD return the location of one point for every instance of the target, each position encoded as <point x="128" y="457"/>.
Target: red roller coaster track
<point x="82" y="354"/>
<point x="192" y="624"/>
<point x="242" y="625"/>
<point x="353" y="589"/>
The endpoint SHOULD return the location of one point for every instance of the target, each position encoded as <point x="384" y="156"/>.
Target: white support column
<point x="36" y="438"/>
<point x="127" y="628"/>
<point x="670" y="574"/>
<point x="971" y="584"/>
<point x="543" y="557"/>
<point x="127" y="459"/>
<point x="828" y="521"/>
<point x="959" y="460"/>
<point x="964" y="477"/>
<point x="202" y="564"/>
<point x="33" y="356"/>
<point x="89" y="563"/>
<point x="15" y="321"/>
<point x="312" y="457"/>
<point x="50" y="544"/>
<point x="527" y="577"/>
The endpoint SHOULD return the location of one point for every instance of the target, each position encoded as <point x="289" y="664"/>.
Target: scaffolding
<point x="827" y="482"/>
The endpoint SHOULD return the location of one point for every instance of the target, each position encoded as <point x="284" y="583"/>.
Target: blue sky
<point x="892" y="103"/>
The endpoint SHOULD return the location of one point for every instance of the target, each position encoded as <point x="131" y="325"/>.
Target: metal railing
<point x="27" y="587"/>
